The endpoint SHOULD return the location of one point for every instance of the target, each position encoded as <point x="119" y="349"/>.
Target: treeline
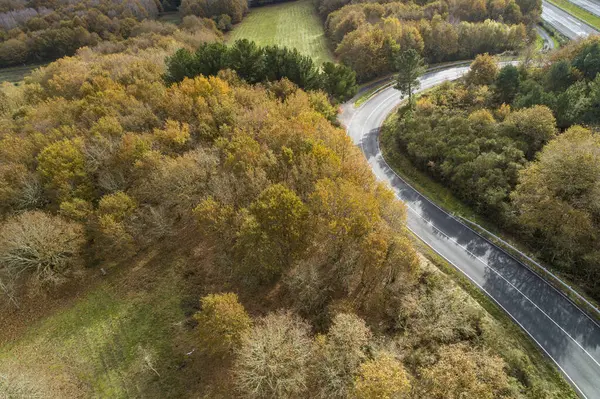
<point x="38" y="31"/>
<point x="222" y="10"/>
<point x="368" y="36"/>
<point x="263" y="64"/>
<point x="250" y="189"/>
<point x="495" y="140"/>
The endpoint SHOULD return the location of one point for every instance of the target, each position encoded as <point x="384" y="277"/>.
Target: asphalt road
<point x="565" y="23"/>
<point x="548" y="42"/>
<point x="566" y="334"/>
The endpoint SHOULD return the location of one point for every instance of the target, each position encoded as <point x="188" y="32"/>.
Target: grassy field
<point x="578" y="12"/>
<point x="173" y="17"/>
<point x="16" y="74"/>
<point x="107" y="343"/>
<point x="294" y="24"/>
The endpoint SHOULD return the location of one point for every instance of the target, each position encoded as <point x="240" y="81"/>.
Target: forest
<point x="368" y="36"/>
<point x="520" y="145"/>
<point x="33" y="31"/>
<point x="242" y="229"/>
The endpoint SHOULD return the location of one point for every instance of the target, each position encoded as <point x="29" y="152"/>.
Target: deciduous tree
<point x="382" y="378"/>
<point x="484" y="70"/>
<point x="39" y="246"/>
<point x="222" y="322"/>
<point x="273" y="358"/>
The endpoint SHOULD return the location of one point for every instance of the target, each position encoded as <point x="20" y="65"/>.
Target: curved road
<point x="566" y="334"/>
<point x="565" y="23"/>
<point x="548" y="42"/>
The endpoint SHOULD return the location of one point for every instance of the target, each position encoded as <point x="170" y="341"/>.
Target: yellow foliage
<point x="382" y="378"/>
<point x="222" y="322"/>
<point x="174" y="134"/>
<point x="482" y="117"/>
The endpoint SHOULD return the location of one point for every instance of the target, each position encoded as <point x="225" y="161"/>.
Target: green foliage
<point x="470" y="152"/>
<point x="247" y="59"/>
<point x="290" y="64"/>
<point x="410" y="66"/>
<point x="587" y="61"/>
<point x="480" y="148"/>
<point x="560" y="76"/>
<point x="180" y="66"/>
<point x="339" y="81"/>
<point x="256" y="64"/>
<point x="507" y="84"/>
<point x="567" y="86"/>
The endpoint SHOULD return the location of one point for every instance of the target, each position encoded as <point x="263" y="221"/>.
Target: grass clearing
<point x="293" y="24"/>
<point x="539" y="42"/>
<point x="113" y="342"/>
<point x="171" y="17"/>
<point x="17" y="73"/>
<point x="578" y="12"/>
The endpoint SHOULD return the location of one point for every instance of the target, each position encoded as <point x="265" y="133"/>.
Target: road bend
<point x="562" y="330"/>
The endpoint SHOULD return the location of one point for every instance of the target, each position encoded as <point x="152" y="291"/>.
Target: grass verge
<point x="293" y="24"/>
<point x="115" y="341"/>
<point x="578" y="12"/>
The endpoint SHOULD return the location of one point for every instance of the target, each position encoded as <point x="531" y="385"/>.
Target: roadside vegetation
<point x="218" y="236"/>
<point x="508" y="144"/>
<point x="293" y="24"/>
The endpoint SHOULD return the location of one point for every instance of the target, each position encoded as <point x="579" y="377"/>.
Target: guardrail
<point x="534" y="266"/>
